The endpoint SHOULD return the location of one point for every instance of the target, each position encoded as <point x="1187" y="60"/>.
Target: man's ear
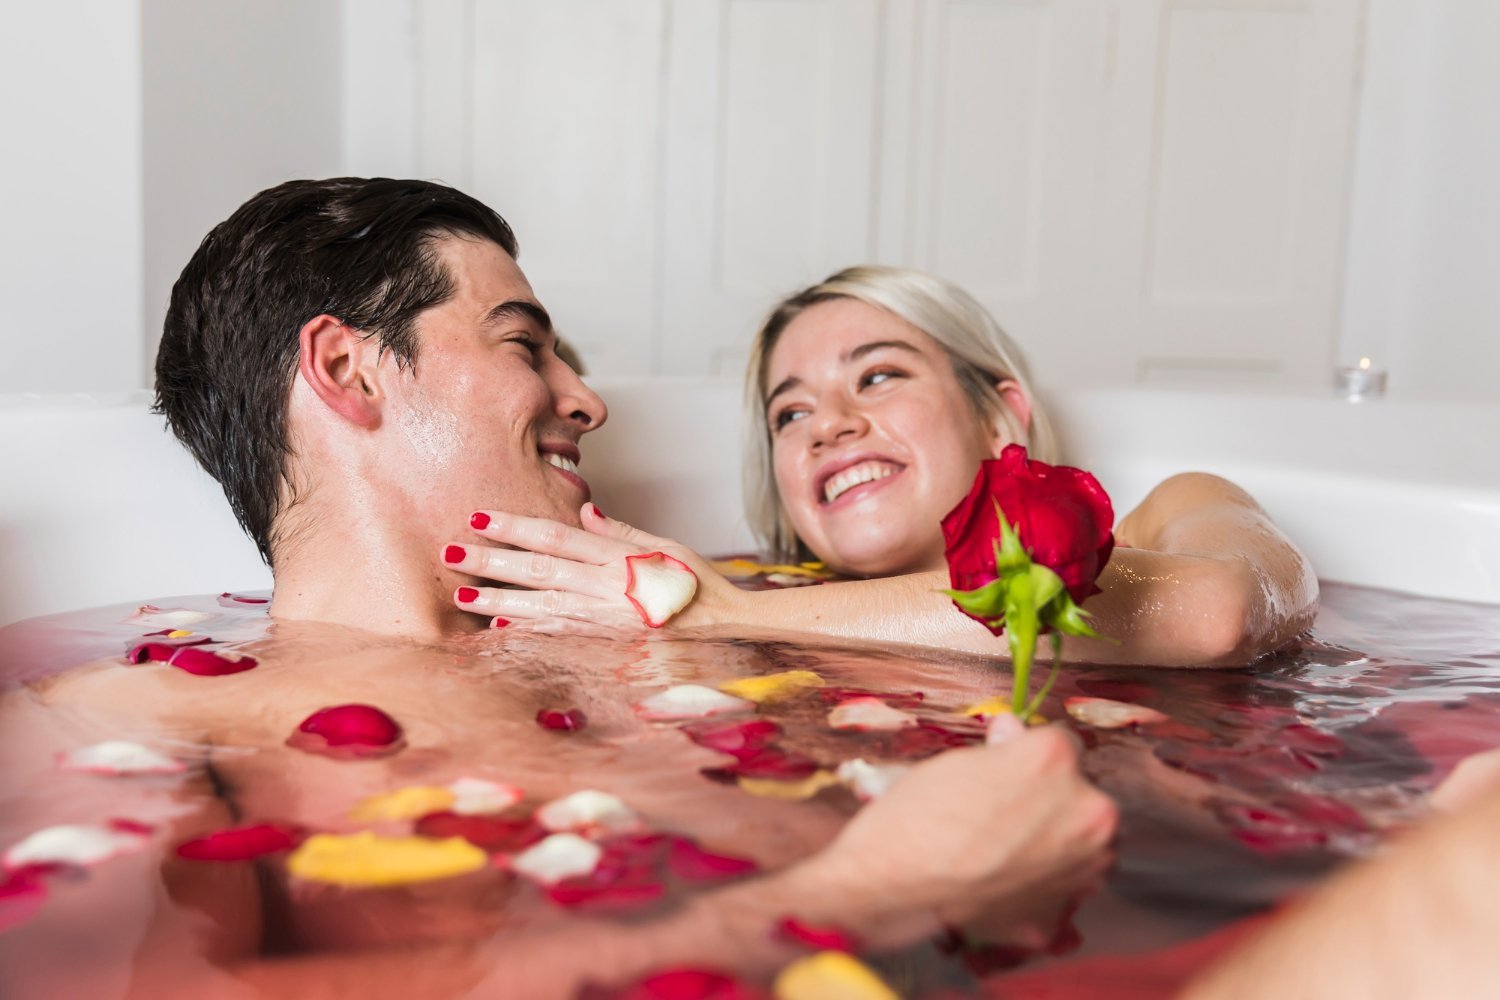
<point x="340" y="365"/>
<point x="1016" y="413"/>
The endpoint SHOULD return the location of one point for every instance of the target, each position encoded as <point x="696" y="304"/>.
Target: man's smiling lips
<point x="564" y="460"/>
<point x="840" y="479"/>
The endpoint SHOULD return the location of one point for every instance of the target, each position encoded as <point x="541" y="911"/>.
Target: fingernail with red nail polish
<point x="467" y="595"/>
<point x="597" y="512"/>
<point x="499" y="622"/>
<point x="454" y="554"/>
<point x="479" y="520"/>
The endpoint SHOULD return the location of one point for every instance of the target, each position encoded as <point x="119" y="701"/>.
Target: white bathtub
<point x="99" y="505"/>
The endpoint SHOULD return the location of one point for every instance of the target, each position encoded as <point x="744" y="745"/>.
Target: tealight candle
<point x="1360" y="380"/>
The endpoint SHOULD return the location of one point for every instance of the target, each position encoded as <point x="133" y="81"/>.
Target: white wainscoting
<point x="1150" y="191"/>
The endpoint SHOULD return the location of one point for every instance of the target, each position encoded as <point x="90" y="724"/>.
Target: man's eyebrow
<point x="854" y="354"/>
<point x="514" y="308"/>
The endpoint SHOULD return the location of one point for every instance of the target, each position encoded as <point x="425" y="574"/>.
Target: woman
<point x="874" y="396"/>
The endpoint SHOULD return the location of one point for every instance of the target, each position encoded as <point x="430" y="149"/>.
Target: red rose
<point x="1062" y="516"/>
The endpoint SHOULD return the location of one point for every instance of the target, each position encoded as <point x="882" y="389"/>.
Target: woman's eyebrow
<point x="854" y="354"/>
<point x="785" y="385"/>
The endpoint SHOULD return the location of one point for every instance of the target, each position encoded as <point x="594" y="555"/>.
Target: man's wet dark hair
<point x="360" y="249"/>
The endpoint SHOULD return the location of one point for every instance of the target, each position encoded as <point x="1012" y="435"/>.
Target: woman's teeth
<point x="562" y="462"/>
<point x="855" y="475"/>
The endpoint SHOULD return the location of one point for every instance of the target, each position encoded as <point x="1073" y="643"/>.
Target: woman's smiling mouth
<point x="852" y="476"/>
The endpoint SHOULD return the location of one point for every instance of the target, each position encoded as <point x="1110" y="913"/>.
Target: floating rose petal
<point x="900" y="699"/>
<point x="560" y="856"/>
<point x="242" y="843"/>
<point x="659" y="586"/>
<point x="692" y="863"/>
<point x="989" y="708"/>
<point x="348" y="731"/>
<point x="1268" y="831"/>
<point x="228" y="600"/>
<point x="794" y="931"/>
<point x="404" y="803"/>
<point x="830" y="974"/>
<point x="584" y="893"/>
<point x="627" y="875"/>
<point x="588" y="811"/>
<point x="770" y="763"/>
<point x="867" y="715"/>
<point x="492" y="833"/>
<point x="476" y="796"/>
<point x="773" y="687"/>
<point x="738" y="739"/>
<point x="151" y="616"/>
<point x="570" y="720"/>
<point x="927" y="738"/>
<point x="679" y="984"/>
<point x="22" y="894"/>
<point x="192" y="659"/>
<point x="1103" y="713"/>
<point x="791" y="790"/>
<point x="173" y="637"/>
<point x="869" y="781"/>
<point x="119" y="757"/>
<point x="76" y="844"/>
<point x="1305" y="738"/>
<point x="690" y="701"/>
<point x="366" y="860"/>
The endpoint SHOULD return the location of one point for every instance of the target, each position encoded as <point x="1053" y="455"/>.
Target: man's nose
<point x="836" y="420"/>
<point x="577" y="403"/>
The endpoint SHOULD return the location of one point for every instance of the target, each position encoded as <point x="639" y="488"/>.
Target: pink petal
<point x="167" y="618"/>
<point x="900" y="699"/>
<point x="556" y="858"/>
<point x="119" y="757"/>
<point x="348" y="731"/>
<point x="79" y="845"/>
<point x="692" y="863"/>
<point x="489" y="833"/>
<point x="659" y="586"/>
<point x="478" y="796"/>
<point x="868" y="715"/>
<point x="679" y="984"/>
<point x="738" y="739"/>
<point x="927" y="738"/>
<point x="1104" y="713"/>
<point x="690" y="701"/>
<point x="587" y="810"/>
<point x="228" y="600"/>
<point x="570" y="720"/>
<point x="771" y="763"/>
<point x="22" y="893"/>
<point x="792" y="930"/>
<point x="242" y="843"/>
<point x="192" y="659"/>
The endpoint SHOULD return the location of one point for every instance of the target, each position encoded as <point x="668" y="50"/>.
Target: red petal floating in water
<point x="1309" y="740"/>
<point x="626" y="876"/>
<point x="228" y="600"/>
<point x="586" y="894"/>
<point x="896" y="699"/>
<point x="570" y="720"/>
<point x="490" y="833"/>
<point x="22" y="893"/>
<point x="927" y="738"/>
<point x="193" y="659"/>
<point x="242" y="843"/>
<point x="134" y="826"/>
<point x="794" y="931"/>
<point x="164" y="638"/>
<point x="348" y="731"/>
<point x="771" y="763"/>
<point x="678" y="984"/>
<point x="1268" y="831"/>
<point x="692" y="863"/>
<point x="738" y="739"/>
<point x="1325" y="812"/>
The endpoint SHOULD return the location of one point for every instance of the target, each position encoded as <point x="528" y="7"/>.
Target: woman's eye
<point x="784" y="417"/>
<point x="877" y="377"/>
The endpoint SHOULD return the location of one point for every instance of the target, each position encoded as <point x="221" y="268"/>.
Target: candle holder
<point x="1361" y="381"/>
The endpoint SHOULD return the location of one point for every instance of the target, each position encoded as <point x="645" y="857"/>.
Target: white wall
<point x="1424" y="238"/>
<point x="70" y="181"/>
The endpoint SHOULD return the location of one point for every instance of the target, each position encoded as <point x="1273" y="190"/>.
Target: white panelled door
<point x="1140" y="190"/>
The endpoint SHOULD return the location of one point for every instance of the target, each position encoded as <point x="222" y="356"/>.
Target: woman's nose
<point x="836" y="420"/>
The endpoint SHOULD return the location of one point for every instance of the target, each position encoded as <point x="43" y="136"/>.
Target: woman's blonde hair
<point x="981" y="352"/>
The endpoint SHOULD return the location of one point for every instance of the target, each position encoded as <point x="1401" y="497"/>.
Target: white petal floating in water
<point x="476" y="796"/>
<point x="560" y="856"/>
<point x="659" y="586"/>
<point x="1105" y="713"/>
<point x="150" y="616"/>
<point x="119" y="757"/>
<point x="869" y="781"/>
<point x="588" y="810"/>
<point x="690" y="701"/>
<point x="75" y="844"/>
<point x="869" y="715"/>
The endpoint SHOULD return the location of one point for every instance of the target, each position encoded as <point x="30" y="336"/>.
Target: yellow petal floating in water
<point x="769" y="788"/>
<point x="369" y="861"/>
<point x="412" y="802"/>
<point x="830" y="975"/>
<point x="749" y="567"/>
<point x="178" y="634"/>
<point x="989" y="708"/>
<point x="772" y="687"/>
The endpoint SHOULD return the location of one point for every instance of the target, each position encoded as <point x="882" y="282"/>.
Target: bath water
<point x="1261" y="781"/>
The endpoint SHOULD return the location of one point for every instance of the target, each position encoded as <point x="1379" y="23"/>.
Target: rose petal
<point x="151" y="616"/>
<point x="404" y="803"/>
<point x="569" y="720"/>
<point x="1104" y="713"/>
<point x="22" y="894"/>
<point x="830" y="974"/>
<point x="584" y="894"/>
<point x="659" y="586"/>
<point x="242" y="843"/>
<point x="475" y="796"/>
<point x="869" y="715"/>
<point x="927" y="738"/>
<point x="772" y="687"/>
<point x="771" y="763"/>
<point x="692" y="863"/>
<point x="367" y="860"/>
<point x="989" y="708"/>
<point x="74" y="844"/>
<point x="348" y="731"/>
<point x="587" y="810"/>
<point x="821" y="938"/>
<point x="193" y="659"/>
<point x="492" y="833"/>
<point x="790" y="790"/>
<point x="869" y="781"/>
<point x="738" y="739"/>
<point x="900" y="699"/>
<point x="678" y="984"/>
<point x="690" y="701"/>
<point x="558" y="857"/>
<point x="119" y="757"/>
<point x="228" y="600"/>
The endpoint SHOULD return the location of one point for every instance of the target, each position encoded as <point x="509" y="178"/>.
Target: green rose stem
<point x="1023" y="599"/>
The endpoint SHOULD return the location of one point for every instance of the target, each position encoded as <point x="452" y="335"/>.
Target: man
<point x="361" y="364"/>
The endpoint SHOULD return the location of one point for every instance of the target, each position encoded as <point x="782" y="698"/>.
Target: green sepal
<point x="1068" y="618"/>
<point x="987" y="602"/>
<point x="1010" y="556"/>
